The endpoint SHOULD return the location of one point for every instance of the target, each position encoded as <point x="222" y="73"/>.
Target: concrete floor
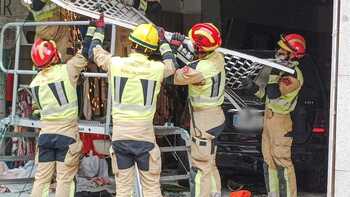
<point x="224" y="195"/>
<point x="27" y="188"/>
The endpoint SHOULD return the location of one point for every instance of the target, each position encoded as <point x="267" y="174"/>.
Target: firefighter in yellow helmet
<point x="45" y="10"/>
<point x="205" y="78"/>
<point x="135" y="82"/>
<point x="281" y="94"/>
<point x="54" y="92"/>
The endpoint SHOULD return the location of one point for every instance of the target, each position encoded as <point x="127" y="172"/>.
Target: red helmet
<point x="44" y="52"/>
<point x="293" y="43"/>
<point x="205" y="36"/>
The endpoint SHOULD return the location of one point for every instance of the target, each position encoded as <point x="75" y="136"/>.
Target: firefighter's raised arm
<point x="168" y="56"/>
<point x="93" y="45"/>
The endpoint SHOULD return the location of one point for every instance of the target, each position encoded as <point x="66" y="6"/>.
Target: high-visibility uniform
<point x="135" y="82"/>
<point x="59" y="146"/>
<point x="60" y="34"/>
<point x="276" y="137"/>
<point x="206" y="82"/>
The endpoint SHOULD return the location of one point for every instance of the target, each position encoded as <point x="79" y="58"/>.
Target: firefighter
<point x="54" y="92"/>
<point x="205" y="78"/>
<point x="281" y="94"/>
<point x="43" y="11"/>
<point x="135" y="83"/>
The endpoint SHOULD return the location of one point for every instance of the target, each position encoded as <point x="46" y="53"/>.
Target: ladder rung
<point x="16" y="181"/>
<point x="22" y="134"/>
<point x="174" y="177"/>
<point x="173" y="148"/>
<point x="15" y="158"/>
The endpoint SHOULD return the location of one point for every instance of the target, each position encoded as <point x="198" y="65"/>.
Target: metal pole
<point x="113" y="39"/>
<point x="256" y="59"/>
<point x="333" y="100"/>
<point x="102" y="75"/>
<point x="30" y="24"/>
<point x="15" y="77"/>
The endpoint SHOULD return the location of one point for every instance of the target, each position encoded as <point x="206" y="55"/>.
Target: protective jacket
<point x="54" y="92"/>
<point x="210" y="92"/>
<point x="55" y="95"/>
<point x="286" y="87"/>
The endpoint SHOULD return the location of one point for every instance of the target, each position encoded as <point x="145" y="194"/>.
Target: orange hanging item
<point x="241" y="193"/>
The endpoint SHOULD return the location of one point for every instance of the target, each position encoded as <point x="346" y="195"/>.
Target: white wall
<point x="341" y="112"/>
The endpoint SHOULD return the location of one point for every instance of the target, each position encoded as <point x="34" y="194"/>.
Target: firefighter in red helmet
<point x="54" y="92"/>
<point x="281" y="94"/>
<point x="205" y="78"/>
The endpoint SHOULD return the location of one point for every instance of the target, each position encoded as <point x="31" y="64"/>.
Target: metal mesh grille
<point x="115" y="12"/>
<point x="238" y="68"/>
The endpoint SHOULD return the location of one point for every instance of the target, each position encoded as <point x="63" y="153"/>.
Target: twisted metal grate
<point x="115" y="11"/>
<point x="238" y="68"/>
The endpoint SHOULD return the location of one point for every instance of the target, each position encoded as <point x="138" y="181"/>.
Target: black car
<point x="239" y="146"/>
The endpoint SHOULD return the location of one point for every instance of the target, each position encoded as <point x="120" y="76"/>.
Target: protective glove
<point x="177" y="39"/>
<point x="165" y="49"/>
<point x="161" y="35"/>
<point x="100" y="23"/>
<point x="98" y="38"/>
<point x="88" y="38"/>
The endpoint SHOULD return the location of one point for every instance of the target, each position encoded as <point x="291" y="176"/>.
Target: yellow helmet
<point x="145" y="35"/>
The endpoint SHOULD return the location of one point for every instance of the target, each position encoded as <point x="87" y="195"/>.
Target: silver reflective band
<point x="47" y="8"/>
<point x="216" y="84"/>
<point x="60" y="93"/>
<point x="132" y="107"/>
<point x="202" y="99"/>
<point x="150" y="90"/>
<point x="54" y="110"/>
<point x="35" y="96"/>
<point x="273" y="194"/>
<point x="116" y="91"/>
<point x="280" y="102"/>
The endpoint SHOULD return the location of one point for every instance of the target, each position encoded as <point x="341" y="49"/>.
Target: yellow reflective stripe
<point x="133" y="107"/>
<point x="164" y="48"/>
<point x="213" y="184"/>
<point x="45" y="13"/>
<point x="286" y="177"/>
<point x="72" y="189"/>
<point x="98" y="36"/>
<point x="203" y="99"/>
<point x="197" y="181"/>
<point x="273" y="180"/>
<point x="143" y="5"/>
<point x="54" y="110"/>
<point x="260" y="93"/>
<point x="46" y="190"/>
<point x="43" y="16"/>
<point x="90" y="31"/>
<point x="274" y="79"/>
